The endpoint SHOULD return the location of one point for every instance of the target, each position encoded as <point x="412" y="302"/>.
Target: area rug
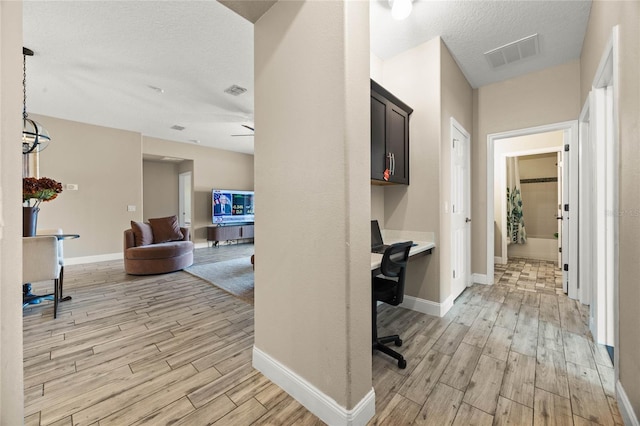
<point x="234" y="276"/>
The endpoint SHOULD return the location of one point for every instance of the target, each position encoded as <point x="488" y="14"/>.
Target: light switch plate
<point x="71" y="187"/>
<point x="131" y="208"/>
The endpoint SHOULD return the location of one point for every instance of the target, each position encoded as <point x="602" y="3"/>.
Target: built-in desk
<point x="421" y="248"/>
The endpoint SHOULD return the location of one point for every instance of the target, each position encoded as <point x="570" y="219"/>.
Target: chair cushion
<point x="159" y="251"/>
<point x="142" y="232"/>
<point x="165" y="229"/>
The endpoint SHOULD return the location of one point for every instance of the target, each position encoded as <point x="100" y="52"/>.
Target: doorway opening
<point x="549" y="139"/>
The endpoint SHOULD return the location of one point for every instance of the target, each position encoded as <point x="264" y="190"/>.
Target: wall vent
<point x="512" y="52"/>
<point x="176" y="127"/>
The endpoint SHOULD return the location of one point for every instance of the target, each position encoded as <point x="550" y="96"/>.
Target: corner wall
<point x="312" y="174"/>
<point x="159" y="189"/>
<point x="414" y="77"/>
<point x="11" y="380"/>
<point x="604" y="16"/>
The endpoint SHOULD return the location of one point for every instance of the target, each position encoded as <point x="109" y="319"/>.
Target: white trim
<point x="316" y="401"/>
<point x="427" y="306"/>
<point x="480" y="279"/>
<point x="202" y="245"/>
<point x="500" y="260"/>
<point x="491" y="138"/>
<point x="626" y="409"/>
<point x="91" y="259"/>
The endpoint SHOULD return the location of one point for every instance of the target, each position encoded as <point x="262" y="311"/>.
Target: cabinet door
<point x="378" y="136"/>
<point x="398" y="143"/>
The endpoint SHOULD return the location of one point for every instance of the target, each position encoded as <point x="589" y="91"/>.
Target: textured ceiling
<point x="98" y="61"/>
<point x="471" y="28"/>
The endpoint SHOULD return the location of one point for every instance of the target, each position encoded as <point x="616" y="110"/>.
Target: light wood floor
<point x="172" y="349"/>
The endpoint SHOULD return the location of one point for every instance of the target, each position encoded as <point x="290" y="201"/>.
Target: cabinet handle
<point x="393" y="162"/>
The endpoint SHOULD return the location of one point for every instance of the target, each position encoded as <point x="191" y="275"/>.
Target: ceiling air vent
<point x="176" y="127"/>
<point x="235" y="90"/>
<point x="513" y="52"/>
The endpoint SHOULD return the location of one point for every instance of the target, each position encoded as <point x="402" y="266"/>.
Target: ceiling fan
<point x="246" y="127"/>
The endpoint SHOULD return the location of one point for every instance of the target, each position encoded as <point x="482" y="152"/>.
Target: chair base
<point x="379" y="344"/>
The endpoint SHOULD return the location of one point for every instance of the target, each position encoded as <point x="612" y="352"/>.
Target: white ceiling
<point x="96" y="60"/>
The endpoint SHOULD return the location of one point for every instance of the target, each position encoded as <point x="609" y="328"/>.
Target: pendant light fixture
<point x="35" y="137"/>
<point x="400" y="9"/>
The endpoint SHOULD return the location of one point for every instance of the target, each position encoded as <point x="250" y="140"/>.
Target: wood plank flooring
<point x="172" y="349"/>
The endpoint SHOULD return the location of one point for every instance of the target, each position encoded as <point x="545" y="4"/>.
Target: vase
<point x="29" y="221"/>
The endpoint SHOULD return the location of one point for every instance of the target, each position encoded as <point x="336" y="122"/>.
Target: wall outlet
<point x="71" y="187"/>
<point x="131" y="208"/>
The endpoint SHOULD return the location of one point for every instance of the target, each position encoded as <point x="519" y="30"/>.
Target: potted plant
<point x="38" y="190"/>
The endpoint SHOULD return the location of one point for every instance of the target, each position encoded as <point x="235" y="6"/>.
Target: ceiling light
<point x="35" y="137"/>
<point x="400" y="9"/>
<point x="177" y="127"/>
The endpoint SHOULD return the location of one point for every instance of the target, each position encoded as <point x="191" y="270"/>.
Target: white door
<point x="559" y="216"/>
<point x="564" y="213"/>
<point x="460" y="208"/>
<point x="184" y="197"/>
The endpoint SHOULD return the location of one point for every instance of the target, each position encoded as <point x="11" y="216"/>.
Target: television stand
<point x="216" y="233"/>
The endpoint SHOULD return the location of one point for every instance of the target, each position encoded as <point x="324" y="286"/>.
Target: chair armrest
<point x="129" y="239"/>
<point x="185" y="234"/>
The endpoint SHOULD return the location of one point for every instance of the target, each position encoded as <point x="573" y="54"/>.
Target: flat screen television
<point x="231" y="207"/>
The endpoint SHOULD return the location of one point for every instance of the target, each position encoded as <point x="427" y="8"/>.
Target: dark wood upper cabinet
<point x="389" y="136"/>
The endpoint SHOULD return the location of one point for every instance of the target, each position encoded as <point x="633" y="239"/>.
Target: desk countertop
<point x="421" y="247"/>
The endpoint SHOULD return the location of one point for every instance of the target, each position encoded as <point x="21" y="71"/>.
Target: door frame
<point x="185" y="197"/>
<point x="602" y="106"/>
<point x="454" y="124"/>
<point x="503" y="197"/>
<point x="571" y="133"/>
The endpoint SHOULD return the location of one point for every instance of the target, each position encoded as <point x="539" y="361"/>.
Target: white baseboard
<point x="427" y="306"/>
<point x="626" y="409"/>
<point x="500" y="260"/>
<point x="201" y="245"/>
<point x="90" y="259"/>
<point x="316" y="401"/>
<point x="479" y="278"/>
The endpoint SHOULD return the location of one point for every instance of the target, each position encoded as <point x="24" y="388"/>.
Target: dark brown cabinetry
<point x="389" y="136"/>
<point x="226" y="233"/>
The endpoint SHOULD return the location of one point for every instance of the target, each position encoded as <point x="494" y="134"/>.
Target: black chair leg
<point x="379" y="342"/>
<point x="56" y="295"/>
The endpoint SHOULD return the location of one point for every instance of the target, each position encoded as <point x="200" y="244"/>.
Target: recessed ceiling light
<point x="235" y="90"/>
<point x="177" y="127"/>
<point x="157" y="89"/>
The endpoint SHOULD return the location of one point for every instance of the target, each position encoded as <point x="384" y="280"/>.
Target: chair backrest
<point x="394" y="265"/>
<point x="54" y="231"/>
<point x="39" y="259"/>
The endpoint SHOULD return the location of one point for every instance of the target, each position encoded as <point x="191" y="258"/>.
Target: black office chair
<point x="389" y="288"/>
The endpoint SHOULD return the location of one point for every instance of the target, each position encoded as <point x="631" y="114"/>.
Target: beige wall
<point x="11" y="385"/>
<point x="543" y="97"/>
<point x="89" y="156"/>
<point x="457" y="102"/>
<point x="313" y="280"/>
<point x="212" y="168"/>
<point x="106" y="164"/>
<point x="414" y="77"/>
<point x="428" y="79"/>
<point x="604" y="15"/>
<point x="159" y="189"/>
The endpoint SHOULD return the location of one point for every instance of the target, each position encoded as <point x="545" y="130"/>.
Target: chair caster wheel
<point x="398" y="342"/>
<point x="402" y="364"/>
